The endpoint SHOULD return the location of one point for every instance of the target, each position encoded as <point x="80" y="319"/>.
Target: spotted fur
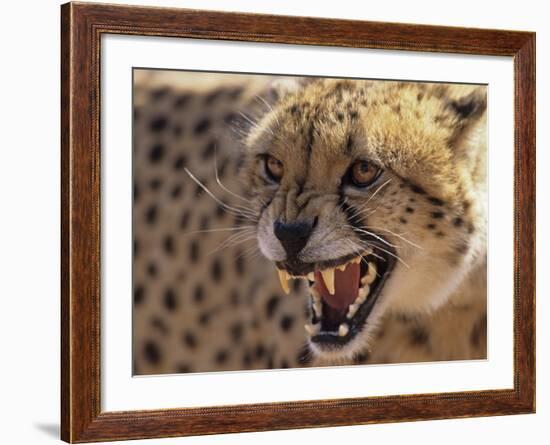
<point x="197" y="308"/>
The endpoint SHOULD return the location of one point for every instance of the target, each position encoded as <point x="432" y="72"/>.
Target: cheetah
<point x="344" y="223"/>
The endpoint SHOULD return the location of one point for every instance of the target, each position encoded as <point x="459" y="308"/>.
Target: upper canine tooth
<point x="311" y="276"/>
<point x="283" y="278"/>
<point x="343" y="330"/>
<point x="328" y="278"/>
<point x="356" y="260"/>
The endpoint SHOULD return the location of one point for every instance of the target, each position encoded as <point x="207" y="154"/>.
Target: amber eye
<point x="364" y="173"/>
<point x="274" y="168"/>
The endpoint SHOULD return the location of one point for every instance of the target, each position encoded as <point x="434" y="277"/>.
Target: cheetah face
<point x="364" y="189"/>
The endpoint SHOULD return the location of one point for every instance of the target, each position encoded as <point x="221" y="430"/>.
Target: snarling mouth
<point x="343" y="295"/>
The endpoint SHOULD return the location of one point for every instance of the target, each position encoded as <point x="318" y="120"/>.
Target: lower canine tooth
<point x="352" y="310"/>
<point x="313" y="329"/>
<point x="343" y="330"/>
<point x="283" y="278"/>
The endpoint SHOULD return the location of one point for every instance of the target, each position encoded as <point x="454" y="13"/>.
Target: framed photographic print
<point x="276" y="222"/>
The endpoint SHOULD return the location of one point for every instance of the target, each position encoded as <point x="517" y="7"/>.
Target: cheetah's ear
<point x="470" y="111"/>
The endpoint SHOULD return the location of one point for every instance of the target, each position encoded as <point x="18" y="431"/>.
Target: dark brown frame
<point x="81" y="28"/>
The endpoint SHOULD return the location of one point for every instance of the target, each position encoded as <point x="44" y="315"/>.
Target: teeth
<point x="283" y="278"/>
<point x="343" y="330"/>
<point x="356" y="260"/>
<point x="328" y="278"/>
<point x="352" y="309"/>
<point x="311" y="276"/>
<point x="312" y="329"/>
<point x="371" y="274"/>
<point x="342" y="267"/>
<point x="362" y="295"/>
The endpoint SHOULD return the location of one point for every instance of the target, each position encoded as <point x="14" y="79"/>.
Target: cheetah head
<point x="374" y="192"/>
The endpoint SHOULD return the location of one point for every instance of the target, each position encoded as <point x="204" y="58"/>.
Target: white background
<point x="29" y="239"/>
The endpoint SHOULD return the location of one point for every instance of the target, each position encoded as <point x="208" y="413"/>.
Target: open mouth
<point x="343" y="294"/>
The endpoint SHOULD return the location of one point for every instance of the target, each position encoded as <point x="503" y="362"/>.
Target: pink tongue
<point x="346" y="286"/>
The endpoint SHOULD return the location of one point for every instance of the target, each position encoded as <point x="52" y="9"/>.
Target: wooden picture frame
<point x="82" y="26"/>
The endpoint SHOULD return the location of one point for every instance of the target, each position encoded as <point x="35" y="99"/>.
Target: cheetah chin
<point x="343" y="292"/>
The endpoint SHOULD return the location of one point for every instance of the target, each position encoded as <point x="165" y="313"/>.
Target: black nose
<point x="293" y="236"/>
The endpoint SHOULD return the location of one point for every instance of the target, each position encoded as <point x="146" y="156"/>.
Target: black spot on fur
<point x="183" y="368"/>
<point x="204" y="318"/>
<point x="176" y="191"/>
<point x="198" y="293"/>
<point x="236" y="332"/>
<point x="340" y="116"/>
<point x="440" y="234"/>
<point x="139" y="295"/>
<point x="435" y="201"/>
<point x="209" y="149"/>
<point x="462" y="248"/>
<point x="182" y="100"/>
<point x="471" y="228"/>
<point x="213" y="96"/>
<point x="170" y="299"/>
<point x="417" y="189"/>
<point x="419" y="336"/>
<point x="158" y="124"/>
<point x="202" y="126"/>
<point x="156" y="153"/>
<point x="168" y="245"/>
<point x="353" y="115"/>
<point x="409" y="210"/>
<point x="204" y="224"/>
<point x="151" y="214"/>
<point x="189" y="340"/>
<point x="260" y="351"/>
<point x="419" y="96"/>
<point x="437" y="215"/>
<point x="155" y="184"/>
<point x="159" y="93"/>
<point x="402" y="220"/>
<point x="194" y="251"/>
<point x="235" y="93"/>
<point x="184" y="220"/>
<point x="152" y="270"/>
<point x="180" y="162"/>
<point x="457" y="222"/>
<point x="431" y="226"/>
<point x="152" y="352"/>
<point x="160" y="326"/>
<point x="286" y="323"/>
<point x="271" y="305"/>
<point x="221" y="357"/>
<point x="217" y="270"/>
